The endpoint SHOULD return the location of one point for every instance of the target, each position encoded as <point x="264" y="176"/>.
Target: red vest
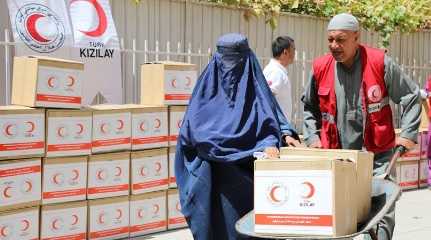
<point x="379" y="132"/>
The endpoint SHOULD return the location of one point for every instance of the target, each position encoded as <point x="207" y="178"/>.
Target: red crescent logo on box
<point x="71" y="81"/>
<point x="158" y="123"/>
<point x="32" y="20"/>
<point x="76" y="174"/>
<point x="188" y="81"/>
<point x="118" y="171"/>
<point x="51" y="83"/>
<point x="375" y="93"/>
<point x="4" y="231"/>
<point x="32" y="126"/>
<point x="178" y="207"/>
<point x="29" y="186"/>
<point x="57" y="178"/>
<point x="142" y="126"/>
<point x="75" y="219"/>
<point x="121" y="126"/>
<point x="101" y="218"/>
<point x="156" y="208"/>
<point x="104" y="128"/>
<point x="158" y="167"/>
<point x="101" y="15"/>
<point x="277" y="194"/>
<point x="10" y="130"/>
<point x="120" y="214"/>
<point x="310" y="190"/>
<point x="6" y="193"/>
<point x="61" y="132"/>
<point x="101" y="174"/>
<point x="81" y="128"/>
<point x="26" y="225"/>
<point x="140" y="213"/>
<point x="143" y="171"/>
<point x="174" y="83"/>
<point x="55" y="224"/>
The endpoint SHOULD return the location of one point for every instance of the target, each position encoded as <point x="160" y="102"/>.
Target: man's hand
<point x="290" y="141"/>
<point x="316" y="144"/>
<point x="272" y="152"/>
<point x="407" y="143"/>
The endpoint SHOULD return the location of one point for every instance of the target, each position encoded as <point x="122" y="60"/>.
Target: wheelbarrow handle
<point x="399" y="151"/>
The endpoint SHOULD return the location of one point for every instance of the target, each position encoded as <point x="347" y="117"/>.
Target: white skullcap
<point x="343" y="21"/>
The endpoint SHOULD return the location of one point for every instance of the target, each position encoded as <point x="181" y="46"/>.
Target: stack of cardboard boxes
<point x="69" y="172"/>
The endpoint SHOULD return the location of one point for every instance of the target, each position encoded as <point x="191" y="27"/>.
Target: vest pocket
<point x="381" y="127"/>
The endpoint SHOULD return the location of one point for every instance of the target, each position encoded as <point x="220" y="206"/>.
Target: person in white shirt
<point x="283" y="52"/>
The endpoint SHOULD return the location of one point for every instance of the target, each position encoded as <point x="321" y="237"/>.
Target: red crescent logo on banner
<point x="311" y="190"/>
<point x="31" y="27"/>
<point x="26" y="225"/>
<point x="103" y="21"/>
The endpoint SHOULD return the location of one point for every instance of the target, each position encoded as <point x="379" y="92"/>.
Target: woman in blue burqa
<point x="232" y="114"/>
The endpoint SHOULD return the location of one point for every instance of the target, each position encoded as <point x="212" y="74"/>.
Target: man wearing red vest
<point x="346" y="103"/>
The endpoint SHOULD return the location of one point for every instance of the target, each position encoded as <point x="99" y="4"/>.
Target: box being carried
<point x="108" y="175"/>
<point x="149" y="170"/>
<point x="149" y="126"/>
<point x="148" y="213"/>
<point x="364" y="171"/>
<point x="176" y="115"/>
<point x="64" y="221"/>
<point x="20" y="224"/>
<point x="22" y="132"/>
<point x="111" y="128"/>
<point x="68" y="133"/>
<point x="47" y="82"/>
<point x="305" y="197"/>
<point x="167" y="83"/>
<point x="108" y="218"/>
<point x="64" y="179"/>
<point x="20" y="183"/>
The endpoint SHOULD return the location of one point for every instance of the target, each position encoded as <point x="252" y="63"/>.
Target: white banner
<point x="42" y="27"/>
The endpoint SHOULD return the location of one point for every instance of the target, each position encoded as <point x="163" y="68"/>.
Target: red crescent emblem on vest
<point x="103" y="21"/>
<point x="31" y="27"/>
<point x="374" y="93"/>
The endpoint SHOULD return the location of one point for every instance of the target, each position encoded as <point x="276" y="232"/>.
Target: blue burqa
<point x="232" y="113"/>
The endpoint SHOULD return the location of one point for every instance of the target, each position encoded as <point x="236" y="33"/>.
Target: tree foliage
<point x="382" y="16"/>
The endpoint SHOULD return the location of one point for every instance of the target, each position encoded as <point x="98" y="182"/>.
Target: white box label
<point x="108" y="179"/>
<point x="175" y="217"/>
<point x="111" y="132"/>
<point x="175" y="122"/>
<point x="64" y="182"/>
<point x="179" y="86"/>
<point x="69" y="136"/>
<point x="149" y="130"/>
<point x="294" y="202"/>
<point x="59" y="87"/>
<point x="23" y="226"/>
<point x="109" y="221"/>
<point x="22" y="134"/>
<point x="148" y="216"/>
<point x="20" y="182"/>
<point x="149" y="174"/>
<point x="69" y="223"/>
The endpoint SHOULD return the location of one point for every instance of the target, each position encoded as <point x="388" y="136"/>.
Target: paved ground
<point x="413" y="219"/>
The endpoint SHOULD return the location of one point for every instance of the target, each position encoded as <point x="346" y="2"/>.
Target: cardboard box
<point x="167" y="83"/>
<point x="64" y="221"/>
<point x="175" y="217"/>
<point x="20" y="183"/>
<point x="111" y="128"/>
<point x="64" y="179"/>
<point x="305" y="197"/>
<point x="47" y="82"/>
<point x="22" y="224"/>
<point x="68" y="133"/>
<point x="409" y="174"/>
<point x="364" y="171"/>
<point x="108" y="218"/>
<point x="423" y="173"/>
<point x="172" y="178"/>
<point x="22" y="132"/>
<point x="176" y="114"/>
<point x="424" y="143"/>
<point x="149" y="127"/>
<point x="108" y="175"/>
<point x="149" y="170"/>
<point x="148" y="213"/>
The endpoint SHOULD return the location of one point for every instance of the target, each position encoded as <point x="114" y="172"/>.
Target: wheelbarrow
<point x="384" y="194"/>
